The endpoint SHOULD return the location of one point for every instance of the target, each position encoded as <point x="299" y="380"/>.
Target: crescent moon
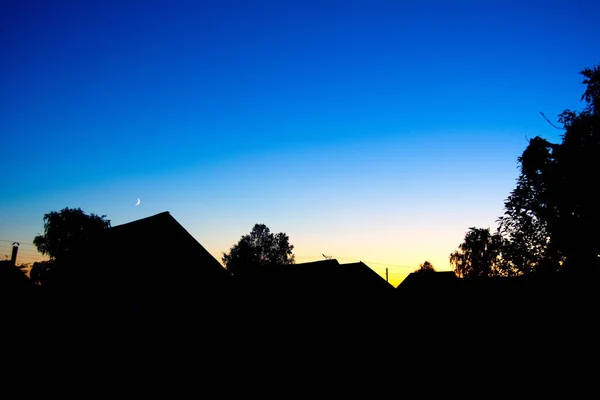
<point x="138" y="202"/>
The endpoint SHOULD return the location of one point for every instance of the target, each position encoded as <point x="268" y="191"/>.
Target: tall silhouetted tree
<point x="426" y="267"/>
<point x="259" y="248"/>
<point x="552" y="216"/>
<point x="65" y="234"/>
<point x="527" y="248"/>
<point x="67" y="230"/>
<point x="479" y="255"/>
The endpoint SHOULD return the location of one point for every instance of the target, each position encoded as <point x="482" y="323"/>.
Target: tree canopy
<point x="65" y="234"/>
<point x="425" y="267"/>
<point x="479" y="255"/>
<point x="551" y="217"/>
<point x="259" y="248"/>
<point x="67" y="230"/>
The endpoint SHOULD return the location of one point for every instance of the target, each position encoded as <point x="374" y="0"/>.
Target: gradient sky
<point x="366" y="130"/>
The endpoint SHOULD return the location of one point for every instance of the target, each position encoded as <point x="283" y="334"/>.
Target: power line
<point x="16" y="241"/>
<point x="320" y="258"/>
<point x="11" y="246"/>
<point x="307" y="257"/>
<point x="21" y="251"/>
<point x="315" y="258"/>
<point x="29" y="255"/>
<point x="372" y="262"/>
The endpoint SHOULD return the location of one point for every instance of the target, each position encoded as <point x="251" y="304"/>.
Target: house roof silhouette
<point x="12" y="278"/>
<point x="428" y="280"/>
<point x="360" y="278"/>
<point x="154" y="260"/>
<point x="319" y="280"/>
<point x="17" y="291"/>
<point x="321" y="273"/>
<point x="294" y="281"/>
<point x="174" y="242"/>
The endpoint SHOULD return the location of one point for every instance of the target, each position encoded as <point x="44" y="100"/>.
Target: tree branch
<point x="551" y="124"/>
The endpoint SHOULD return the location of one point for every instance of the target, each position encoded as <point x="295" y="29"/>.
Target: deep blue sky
<point x="372" y="130"/>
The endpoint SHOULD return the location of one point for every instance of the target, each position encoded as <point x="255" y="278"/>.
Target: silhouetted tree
<point x="426" y="267"/>
<point x="552" y="216"/>
<point x="479" y="255"/>
<point x="259" y="248"/>
<point x="66" y="231"/>
<point x="65" y="235"/>
<point x="24" y="267"/>
<point x="41" y="272"/>
<point x="527" y="248"/>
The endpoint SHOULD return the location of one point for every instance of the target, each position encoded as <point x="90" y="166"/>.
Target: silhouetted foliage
<point x="592" y="91"/>
<point x="41" y="272"/>
<point x="24" y="268"/>
<point x="527" y="248"/>
<point x="425" y="267"/>
<point x="66" y="231"/>
<point x="551" y="217"/>
<point x="259" y="248"/>
<point x="479" y="255"/>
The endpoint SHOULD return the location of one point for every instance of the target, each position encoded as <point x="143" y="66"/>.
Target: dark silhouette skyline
<point x="346" y="125"/>
<point x="394" y="132"/>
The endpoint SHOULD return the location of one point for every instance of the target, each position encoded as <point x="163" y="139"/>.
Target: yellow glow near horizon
<point x="396" y="271"/>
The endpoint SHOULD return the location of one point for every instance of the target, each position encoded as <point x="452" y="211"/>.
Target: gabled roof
<point x="161" y="240"/>
<point x="428" y="280"/>
<point x="323" y="275"/>
<point x="320" y="265"/>
<point x="322" y="278"/>
<point x="322" y="272"/>
<point x="360" y="277"/>
<point x="160" y="226"/>
<point x="316" y="276"/>
<point x="153" y="258"/>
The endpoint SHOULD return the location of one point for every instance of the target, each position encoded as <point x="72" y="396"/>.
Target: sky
<point x="377" y="131"/>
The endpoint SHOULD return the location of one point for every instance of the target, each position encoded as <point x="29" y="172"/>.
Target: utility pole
<point x="386" y="274"/>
